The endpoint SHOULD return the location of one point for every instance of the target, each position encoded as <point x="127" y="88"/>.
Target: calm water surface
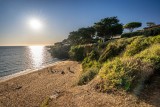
<point x="18" y="58"/>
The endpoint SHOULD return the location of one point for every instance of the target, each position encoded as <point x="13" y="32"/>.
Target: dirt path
<point x="56" y="87"/>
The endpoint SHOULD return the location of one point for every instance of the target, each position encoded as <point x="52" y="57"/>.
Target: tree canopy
<point x="108" y="27"/>
<point x="132" y="25"/>
<point x="82" y="35"/>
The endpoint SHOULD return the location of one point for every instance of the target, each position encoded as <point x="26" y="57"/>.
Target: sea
<point x="14" y="59"/>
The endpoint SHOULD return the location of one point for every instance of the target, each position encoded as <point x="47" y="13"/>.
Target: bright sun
<point x="35" y="24"/>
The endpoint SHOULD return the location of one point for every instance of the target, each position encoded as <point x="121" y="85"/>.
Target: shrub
<point x="124" y="74"/>
<point x="90" y="69"/>
<point x="147" y="32"/>
<point x="151" y="55"/>
<point x="88" y="76"/>
<point x="152" y="32"/>
<point x="139" y="44"/>
<point x="114" y="48"/>
<point x="87" y="63"/>
<point x="60" y="52"/>
<point x="93" y="55"/>
<point x="154" y="39"/>
<point x="77" y="53"/>
<point x="131" y="34"/>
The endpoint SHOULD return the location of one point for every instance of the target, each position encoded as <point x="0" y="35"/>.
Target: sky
<point x="59" y="17"/>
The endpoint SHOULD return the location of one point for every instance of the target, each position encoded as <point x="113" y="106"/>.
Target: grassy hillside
<point x="121" y="64"/>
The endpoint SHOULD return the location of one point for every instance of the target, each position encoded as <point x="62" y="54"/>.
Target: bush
<point x="88" y="63"/>
<point x="77" y="53"/>
<point x="154" y="39"/>
<point x="61" y="52"/>
<point x="127" y="74"/>
<point x="114" y="48"/>
<point x="151" y="55"/>
<point x="141" y="43"/>
<point x="88" y="76"/>
<point x="137" y="33"/>
<point x="147" y="32"/>
<point x="93" y="55"/>
<point x="152" y="32"/>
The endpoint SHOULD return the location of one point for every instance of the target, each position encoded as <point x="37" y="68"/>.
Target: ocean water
<point x="14" y="59"/>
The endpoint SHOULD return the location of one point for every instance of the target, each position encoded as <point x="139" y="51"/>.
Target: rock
<point x="53" y="71"/>
<point x="62" y="72"/>
<point x="55" y="95"/>
<point x="17" y="87"/>
<point x="69" y="69"/>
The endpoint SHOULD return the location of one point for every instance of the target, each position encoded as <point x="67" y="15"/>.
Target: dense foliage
<point x="152" y="31"/>
<point x="108" y="27"/>
<point x="81" y="36"/>
<point x="131" y="34"/>
<point x="146" y="32"/>
<point x="125" y="73"/>
<point x="60" y="51"/>
<point x="77" y="53"/>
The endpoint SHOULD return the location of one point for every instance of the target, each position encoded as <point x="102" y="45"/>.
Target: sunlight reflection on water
<point x="36" y="53"/>
<point x="15" y="59"/>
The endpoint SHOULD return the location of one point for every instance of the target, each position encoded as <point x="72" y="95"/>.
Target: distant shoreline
<point x="24" y="72"/>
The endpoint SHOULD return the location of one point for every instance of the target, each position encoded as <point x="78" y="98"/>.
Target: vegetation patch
<point x="123" y="73"/>
<point x="147" y="32"/>
<point x="59" y="51"/>
<point x="88" y="76"/>
<point x="131" y="34"/>
<point x="45" y="102"/>
<point x="151" y="55"/>
<point x="114" y="48"/>
<point x="139" y="44"/>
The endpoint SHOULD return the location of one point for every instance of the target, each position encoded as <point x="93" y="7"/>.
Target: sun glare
<point x="35" y="24"/>
<point x="37" y="55"/>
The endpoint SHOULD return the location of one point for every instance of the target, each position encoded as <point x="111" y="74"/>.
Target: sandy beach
<point x="55" y="86"/>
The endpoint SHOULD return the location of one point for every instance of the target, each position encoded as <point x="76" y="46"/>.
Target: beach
<point x="56" y="86"/>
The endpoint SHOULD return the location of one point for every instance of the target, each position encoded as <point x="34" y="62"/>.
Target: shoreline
<point x="27" y="71"/>
<point x="32" y="88"/>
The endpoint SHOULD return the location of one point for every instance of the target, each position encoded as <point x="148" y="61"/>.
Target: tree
<point x="74" y="37"/>
<point x="86" y="34"/>
<point x="149" y="24"/>
<point x="132" y="25"/>
<point x="108" y="27"/>
<point x="82" y="35"/>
